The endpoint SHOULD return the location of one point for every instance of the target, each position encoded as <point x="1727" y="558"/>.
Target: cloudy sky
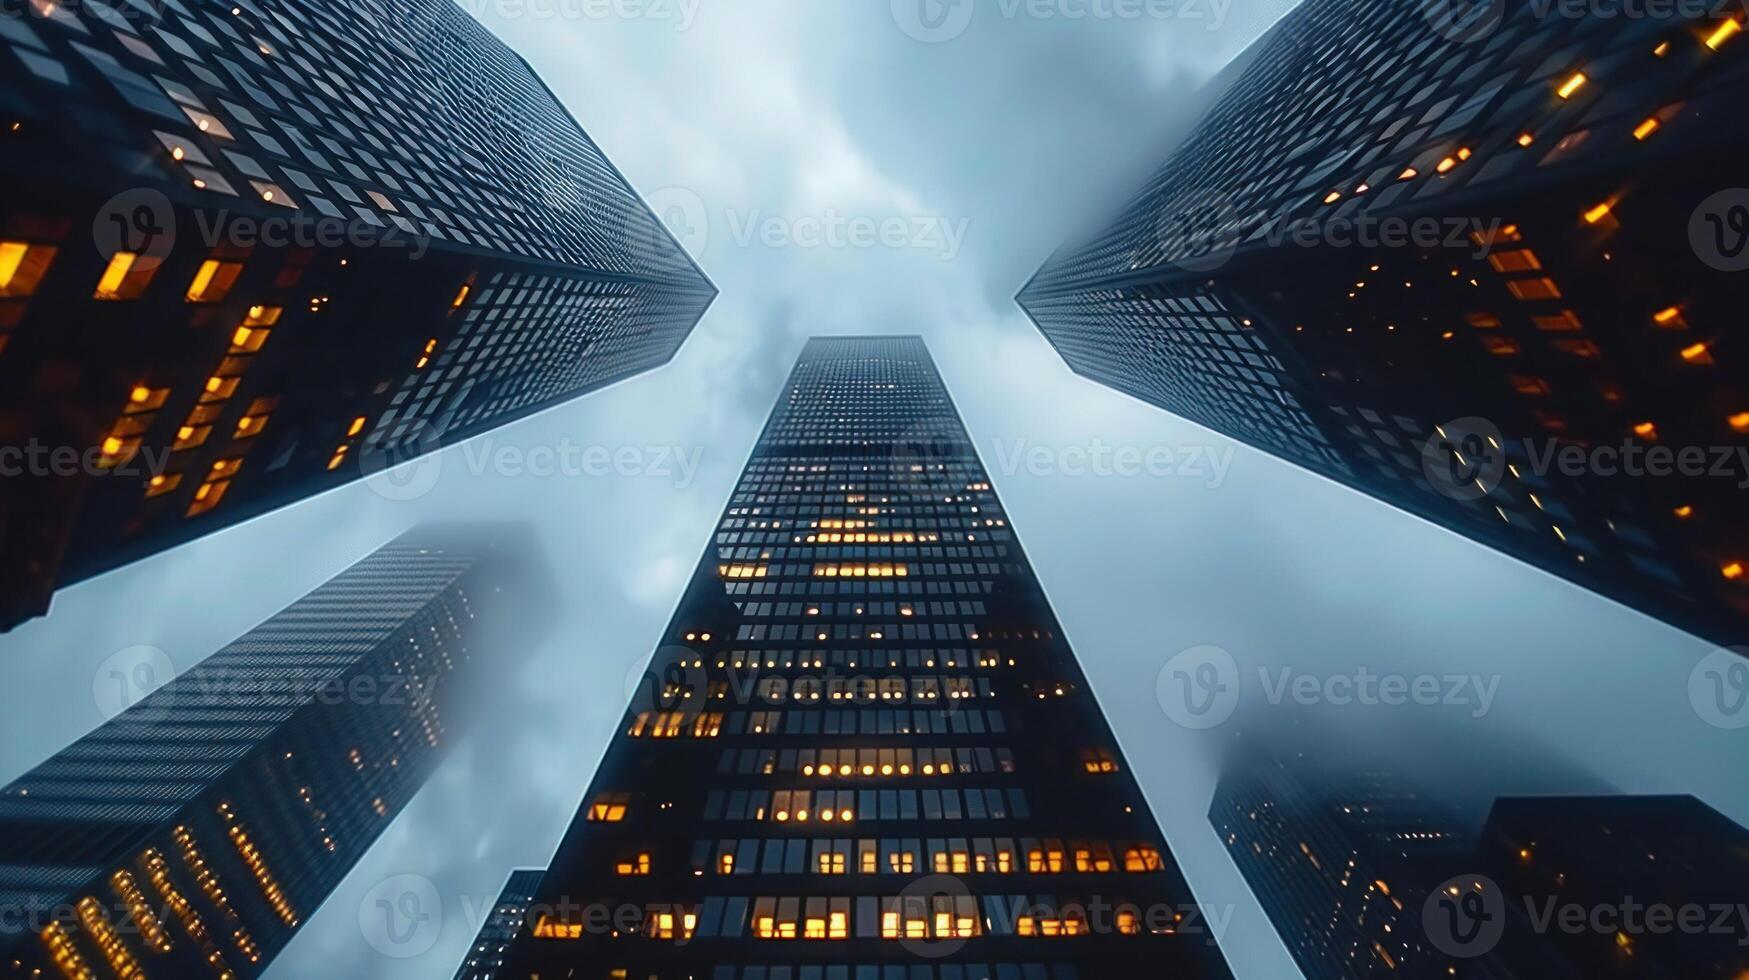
<point x="763" y="129"/>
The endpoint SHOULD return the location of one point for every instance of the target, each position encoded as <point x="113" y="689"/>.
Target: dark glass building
<point x="192" y="835"/>
<point x="250" y="251"/>
<point x="1647" y="887"/>
<point x="1342" y="861"/>
<point x="864" y="748"/>
<point x="1484" y="270"/>
<point x="496" y="933"/>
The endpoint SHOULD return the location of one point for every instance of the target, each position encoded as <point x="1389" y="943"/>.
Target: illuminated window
<point x="1518" y="260"/>
<point x="126" y="277"/>
<point x="1572" y="85"/>
<point x="1728" y="28"/>
<point x="609" y="808"/>
<point x="1531" y="290"/>
<point x="213" y="281"/>
<point x="637" y="865"/>
<point x="162" y="484"/>
<point x="1565" y="321"/>
<point x="22" y="266"/>
<point x="1142" y="859"/>
<point x="1099" y="761"/>
<point x="208" y="496"/>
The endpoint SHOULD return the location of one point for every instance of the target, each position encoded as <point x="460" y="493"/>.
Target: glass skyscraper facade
<point x="303" y="241"/>
<point x="1483" y="269"/>
<point x="1342" y="861"/>
<point x="195" y="832"/>
<point x="501" y="927"/>
<point x="864" y="750"/>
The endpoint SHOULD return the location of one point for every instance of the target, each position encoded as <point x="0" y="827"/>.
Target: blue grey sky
<point x="845" y="166"/>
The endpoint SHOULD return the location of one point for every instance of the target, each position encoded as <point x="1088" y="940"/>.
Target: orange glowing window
<point x="208" y="496"/>
<point x="1572" y="85"/>
<point x="1518" y="260"/>
<point x="125" y="277"/>
<point x="213" y="281"/>
<point x="1532" y="290"/>
<point x="609" y="808"/>
<point x="1565" y="321"/>
<point x="22" y="266"/>
<point x="1670" y="318"/>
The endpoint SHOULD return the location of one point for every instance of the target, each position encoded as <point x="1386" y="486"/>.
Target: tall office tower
<point x="1648" y="887"/>
<point x="250" y="251"/>
<point x="486" y="956"/>
<point x="1341" y="860"/>
<point x="864" y="748"/>
<point x="192" y="834"/>
<point x="1483" y="269"/>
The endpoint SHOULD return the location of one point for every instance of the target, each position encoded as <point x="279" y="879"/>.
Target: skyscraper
<point x="1342" y="861"/>
<point x="192" y="834"/>
<point x="864" y="748"/>
<point x="249" y="252"/>
<point x="486" y="956"/>
<point x="1481" y="268"/>
<point x="1648" y="887"/>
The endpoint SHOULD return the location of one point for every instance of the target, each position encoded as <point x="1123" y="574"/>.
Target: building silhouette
<point x="1481" y="269"/>
<point x="864" y="747"/>
<point x="251" y="253"/>
<point x="1648" y="887"/>
<point x="486" y="956"/>
<point x="195" y="832"/>
<point x="1364" y="875"/>
<point x="1341" y="860"/>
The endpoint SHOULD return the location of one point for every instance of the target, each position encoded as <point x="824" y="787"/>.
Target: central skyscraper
<point x="864" y="748"/>
<point x="249" y="252"/>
